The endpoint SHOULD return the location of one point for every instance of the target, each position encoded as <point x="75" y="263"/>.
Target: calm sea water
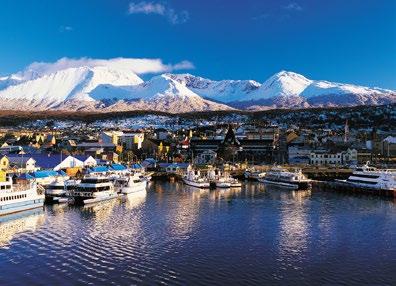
<point x="176" y="235"/>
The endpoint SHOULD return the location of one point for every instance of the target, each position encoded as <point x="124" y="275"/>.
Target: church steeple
<point x="346" y="131"/>
<point x="230" y="137"/>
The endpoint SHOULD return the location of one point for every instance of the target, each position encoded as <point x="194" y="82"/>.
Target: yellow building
<point x="4" y="163"/>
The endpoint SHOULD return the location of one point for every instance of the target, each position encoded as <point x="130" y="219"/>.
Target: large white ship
<point x="19" y="197"/>
<point x="367" y="177"/>
<point x="282" y="177"/>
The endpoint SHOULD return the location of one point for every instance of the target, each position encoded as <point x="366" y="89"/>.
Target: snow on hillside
<point x="113" y="85"/>
<point x="224" y="90"/>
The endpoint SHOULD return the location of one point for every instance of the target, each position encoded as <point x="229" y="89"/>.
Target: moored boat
<point x="130" y="184"/>
<point x="253" y="174"/>
<point x="92" y="189"/>
<point x="371" y="178"/>
<point x="290" y="179"/>
<point x="19" y="197"/>
<point x="195" y="179"/>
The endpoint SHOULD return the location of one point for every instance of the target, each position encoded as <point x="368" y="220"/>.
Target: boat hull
<point x="21" y="206"/>
<point x="79" y="200"/>
<point x="134" y="189"/>
<point x="291" y="185"/>
<point x="196" y="184"/>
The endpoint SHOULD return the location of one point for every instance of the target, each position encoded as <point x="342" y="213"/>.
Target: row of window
<point x="10" y="198"/>
<point x="326" y="156"/>
<point x="5" y="187"/>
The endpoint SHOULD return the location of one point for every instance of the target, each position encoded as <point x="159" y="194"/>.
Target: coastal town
<point x="57" y="152"/>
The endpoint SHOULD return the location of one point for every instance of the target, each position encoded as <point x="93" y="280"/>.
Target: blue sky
<point x="346" y="41"/>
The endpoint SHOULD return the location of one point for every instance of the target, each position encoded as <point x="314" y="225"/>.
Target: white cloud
<point x="293" y="6"/>
<point x="173" y="16"/>
<point x="65" y="29"/>
<point x="138" y="66"/>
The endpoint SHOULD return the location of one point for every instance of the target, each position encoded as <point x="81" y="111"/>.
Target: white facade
<point x="130" y="141"/>
<point x="333" y="158"/>
<point x="72" y="162"/>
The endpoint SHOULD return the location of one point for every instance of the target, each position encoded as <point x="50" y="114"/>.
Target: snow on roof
<point x="390" y="139"/>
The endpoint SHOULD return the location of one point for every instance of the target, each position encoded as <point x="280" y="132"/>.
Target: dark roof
<point x="45" y="161"/>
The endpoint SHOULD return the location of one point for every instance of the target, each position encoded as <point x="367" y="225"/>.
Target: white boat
<point x="280" y="177"/>
<point x="195" y="179"/>
<point x="223" y="180"/>
<point x="367" y="177"/>
<point x="253" y="174"/>
<point x="92" y="189"/>
<point x="130" y="184"/>
<point x="55" y="191"/>
<point x="20" y="197"/>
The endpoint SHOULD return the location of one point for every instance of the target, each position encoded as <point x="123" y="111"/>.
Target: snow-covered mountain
<point x="110" y="87"/>
<point x="285" y="90"/>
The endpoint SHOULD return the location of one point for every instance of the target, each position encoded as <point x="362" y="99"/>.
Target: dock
<point x="342" y="187"/>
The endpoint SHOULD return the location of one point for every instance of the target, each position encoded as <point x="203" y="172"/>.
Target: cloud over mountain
<point x="138" y="66"/>
<point x="114" y="85"/>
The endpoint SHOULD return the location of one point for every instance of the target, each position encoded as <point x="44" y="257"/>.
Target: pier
<point x="338" y="186"/>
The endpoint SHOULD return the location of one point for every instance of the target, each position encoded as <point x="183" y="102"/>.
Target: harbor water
<point x="178" y="235"/>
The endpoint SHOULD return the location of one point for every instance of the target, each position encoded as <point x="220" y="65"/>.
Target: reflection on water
<point x="179" y="235"/>
<point x="11" y="225"/>
<point x="134" y="200"/>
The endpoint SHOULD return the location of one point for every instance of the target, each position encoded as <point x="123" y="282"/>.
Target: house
<point x="11" y="149"/>
<point x="4" y="162"/>
<point x="388" y="147"/>
<point x="162" y="134"/>
<point x="61" y="162"/>
<point x="105" y="146"/>
<point x="156" y="147"/>
<point x="174" y="168"/>
<point x="110" y="157"/>
<point x="22" y="163"/>
<point x="333" y="157"/>
<point x="129" y="140"/>
<point x="149" y="163"/>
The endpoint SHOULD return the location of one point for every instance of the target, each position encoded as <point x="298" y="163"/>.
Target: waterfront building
<point x="333" y="157"/>
<point x="254" y="146"/>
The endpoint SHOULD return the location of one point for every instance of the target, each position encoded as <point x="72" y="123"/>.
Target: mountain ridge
<point x="111" y="88"/>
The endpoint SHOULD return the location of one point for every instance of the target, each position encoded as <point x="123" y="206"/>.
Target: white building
<point x="73" y="162"/>
<point x="325" y="157"/>
<point x="129" y="140"/>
